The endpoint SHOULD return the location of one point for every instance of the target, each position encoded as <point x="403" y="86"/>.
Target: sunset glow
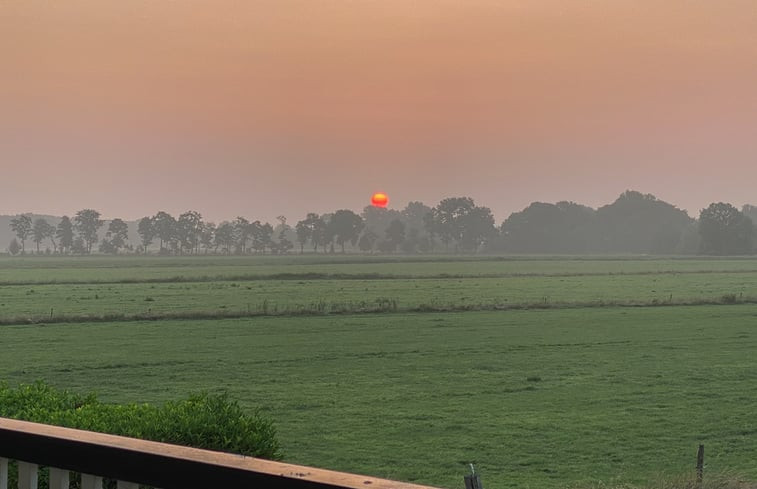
<point x="379" y="199"/>
<point x="220" y="106"/>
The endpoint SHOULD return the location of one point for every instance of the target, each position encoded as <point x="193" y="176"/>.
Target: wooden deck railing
<point x="133" y="462"/>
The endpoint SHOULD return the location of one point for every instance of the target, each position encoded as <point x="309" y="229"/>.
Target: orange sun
<point x="379" y="199"/>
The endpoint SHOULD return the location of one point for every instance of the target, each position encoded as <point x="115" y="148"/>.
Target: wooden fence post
<point x="473" y="481"/>
<point x="700" y="465"/>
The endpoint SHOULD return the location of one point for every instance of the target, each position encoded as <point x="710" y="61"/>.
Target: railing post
<point x="27" y="475"/>
<point x="59" y="478"/>
<point x="3" y="473"/>
<point x="91" y="482"/>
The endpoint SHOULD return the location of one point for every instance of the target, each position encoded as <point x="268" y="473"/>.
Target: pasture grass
<point x="119" y="269"/>
<point x="240" y="298"/>
<point x="623" y="394"/>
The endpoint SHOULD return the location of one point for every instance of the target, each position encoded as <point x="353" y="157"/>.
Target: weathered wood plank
<point x="91" y="481"/>
<point x="3" y="473"/>
<point x="126" y="485"/>
<point x="59" y="478"/>
<point x="28" y="475"/>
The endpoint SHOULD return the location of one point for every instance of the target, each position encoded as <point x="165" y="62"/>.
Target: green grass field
<point x="588" y="391"/>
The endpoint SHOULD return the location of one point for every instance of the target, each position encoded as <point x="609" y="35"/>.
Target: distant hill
<point x="6" y="234"/>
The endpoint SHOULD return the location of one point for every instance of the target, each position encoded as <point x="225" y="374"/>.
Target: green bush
<point x="210" y="421"/>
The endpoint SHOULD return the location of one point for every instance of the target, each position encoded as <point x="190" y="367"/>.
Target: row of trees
<point x="69" y="236"/>
<point x="457" y="224"/>
<point x="634" y="223"/>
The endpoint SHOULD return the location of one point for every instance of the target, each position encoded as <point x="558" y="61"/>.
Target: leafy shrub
<point x="209" y="421"/>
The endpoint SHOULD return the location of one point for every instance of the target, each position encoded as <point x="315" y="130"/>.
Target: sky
<point x="263" y="108"/>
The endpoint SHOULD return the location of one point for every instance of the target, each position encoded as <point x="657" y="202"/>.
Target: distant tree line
<point x="635" y="223"/>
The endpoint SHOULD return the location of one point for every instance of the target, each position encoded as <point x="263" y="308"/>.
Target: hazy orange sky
<point x="268" y="107"/>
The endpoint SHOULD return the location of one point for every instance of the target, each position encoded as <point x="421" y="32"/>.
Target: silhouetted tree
<point x="639" y="223"/>
<point x="303" y="234"/>
<point x="65" y="234"/>
<point x="725" y="230"/>
<point x="188" y="229"/>
<point x="378" y="219"/>
<point x="164" y="226"/>
<point x="116" y="237"/>
<point x="207" y="236"/>
<point x="42" y="230"/>
<point x="86" y="223"/>
<point x="564" y="227"/>
<point x="224" y="236"/>
<point x="261" y="236"/>
<point x="283" y="245"/>
<point x="345" y="226"/>
<point x="458" y="220"/>
<point x="242" y="233"/>
<point x="146" y="231"/>
<point x="22" y="226"/>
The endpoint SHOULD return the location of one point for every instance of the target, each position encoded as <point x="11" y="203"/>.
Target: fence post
<point x="473" y="481"/>
<point x="700" y="464"/>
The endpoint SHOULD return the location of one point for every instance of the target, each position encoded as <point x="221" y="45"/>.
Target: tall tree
<point x="319" y="236"/>
<point x="86" y="223"/>
<point x="542" y="227"/>
<point x="41" y="230"/>
<point x="65" y="234"/>
<point x="146" y="230"/>
<point x="207" y="236"/>
<point x="313" y="229"/>
<point x="116" y="237"/>
<point x="188" y="229"/>
<point x="224" y="237"/>
<point x="725" y="230"/>
<point x="165" y="228"/>
<point x="304" y="232"/>
<point x="261" y="236"/>
<point x="345" y="226"/>
<point x="639" y="223"/>
<point x="242" y="233"/>
<point x="22" y="226"/>
<point x="458" y="220"/>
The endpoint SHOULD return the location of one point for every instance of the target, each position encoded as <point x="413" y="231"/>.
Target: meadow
<point x="544" y="372"/>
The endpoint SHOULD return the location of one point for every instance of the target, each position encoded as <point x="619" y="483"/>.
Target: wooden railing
<point x="137" y="462"/>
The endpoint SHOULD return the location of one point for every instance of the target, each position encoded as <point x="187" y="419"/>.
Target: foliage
<point x="164" y="227"/>
<point x="22" y="226"/>
<point x="564" y="227"/>
<point x="116" y="238"/>
<point x="42" y="230"/>
<point x="209" y="421"/>
<point x="86" y="223"/>
<point x="460" y="222"/>
<point x="634" y="223"/>
<point x="146" y="231"/>
<point x="65" y="234"/>
<point x="345" y="226"/>
<point x="725" y="230"/>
